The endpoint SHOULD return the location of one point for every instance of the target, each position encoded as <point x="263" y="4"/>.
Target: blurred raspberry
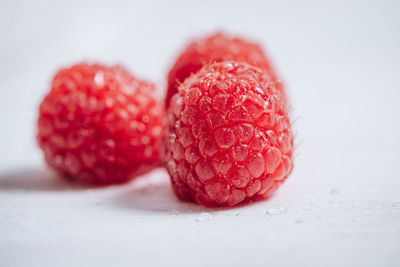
<point x="100" y="124"/>
<point x="229" y="138"/>
<point x="216" y="48"/>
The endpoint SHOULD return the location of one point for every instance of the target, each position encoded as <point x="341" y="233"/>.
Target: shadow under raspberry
<point x="153" y="192"/>
<point x="36" y="179"/>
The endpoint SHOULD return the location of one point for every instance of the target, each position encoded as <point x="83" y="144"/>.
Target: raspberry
<point x="216" y="48"/>
<point x="100" y="124"/>
<point x="229" y="137"/>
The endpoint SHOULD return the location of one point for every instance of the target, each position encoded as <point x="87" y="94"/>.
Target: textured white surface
<point x="340" y="207"/>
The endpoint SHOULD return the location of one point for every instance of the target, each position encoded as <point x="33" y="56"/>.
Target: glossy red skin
<point x="100" y="124"/>
<point x="216" y="48"/>
<point x="229" y="138"/>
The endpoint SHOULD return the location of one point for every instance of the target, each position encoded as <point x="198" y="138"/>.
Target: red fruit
<point x="228" y="138"/>
<point x="216" y="48"/>
<point x="100" y="124"/>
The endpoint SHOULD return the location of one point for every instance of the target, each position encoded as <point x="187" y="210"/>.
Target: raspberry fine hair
<point x="229" y="137"/>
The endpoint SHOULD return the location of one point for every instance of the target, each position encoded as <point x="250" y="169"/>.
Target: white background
<point x="340" y="207"/>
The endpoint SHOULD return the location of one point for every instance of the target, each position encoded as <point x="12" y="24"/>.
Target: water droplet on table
<point x="204" y="216"/>
<point x="276" y="210"/>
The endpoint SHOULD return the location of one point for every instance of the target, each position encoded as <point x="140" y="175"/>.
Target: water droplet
<point x="259" y="90"/>
<point x="307" y="208"/>
<point x="396" y="204"/>
<point x="204" y="216"/>
<point x="298" y="221"/>
<point x="99" y="79"/>
<point x="276" y="210"/>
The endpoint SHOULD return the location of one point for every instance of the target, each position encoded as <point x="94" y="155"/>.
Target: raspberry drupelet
<point x="216" y="48"/>
<point x="228" y="137"/>
<point x="100" y="124"/>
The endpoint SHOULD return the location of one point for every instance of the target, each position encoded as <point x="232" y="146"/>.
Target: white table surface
<point x="341" y="205"/>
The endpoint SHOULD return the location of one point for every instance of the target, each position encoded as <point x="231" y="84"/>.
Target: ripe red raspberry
<point x="100" y="124"/>
<point x="216" y="48"/>
<point x="229" y="137"/>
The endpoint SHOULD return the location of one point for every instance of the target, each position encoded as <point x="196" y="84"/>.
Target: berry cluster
<point x="225" y="137"/>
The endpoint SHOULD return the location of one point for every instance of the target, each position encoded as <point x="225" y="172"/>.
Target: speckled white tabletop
<point x="341" y="205"/>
